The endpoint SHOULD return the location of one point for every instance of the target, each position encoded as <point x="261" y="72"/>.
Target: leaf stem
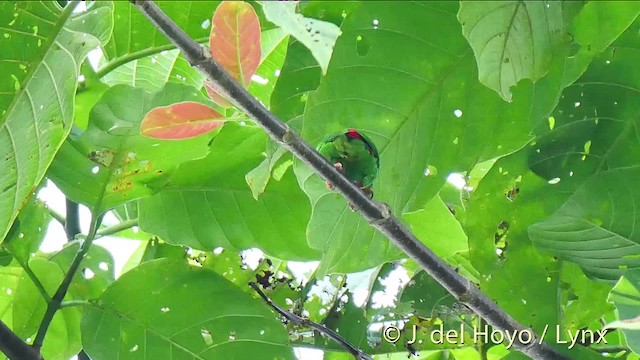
<point x="56" y="301"/>
<point x="119" y="61"/>
<point x="377" y="214"/>
<point x="124" y="225"/>
<point x="72" y="303"/>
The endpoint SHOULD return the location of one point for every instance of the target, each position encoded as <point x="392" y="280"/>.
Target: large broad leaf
<point x="595" y="130"/>
<point x="511" y="197"/>
<point x="37" y="83"/>
<point x="418" y="115"/>
<point x="232" y="218"/>
<point x="169" y="310"/>
<point x="512" y="40"/>
<point x="111" y="163"/>
<point x="596" y="227"/>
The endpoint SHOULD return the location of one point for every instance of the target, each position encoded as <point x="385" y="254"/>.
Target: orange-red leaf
<point x="180" y="121"/>
<point x="215" y="96"/>
<point x="235" y="39"/>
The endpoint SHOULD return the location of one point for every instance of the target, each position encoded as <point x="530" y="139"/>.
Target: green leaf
<point x="585" y="298"/>
<point x="597" y="25"/>
<point x="135" y="37"/>
<point x="437" y="228"/>
<point x="428" y="109"/>
<point x="512" y="40"/>
<point x="233" y="219"/>
<point x="152" y="72"/>
<point x="300" y="75"/>
<point x="626" y="297"/>
<point x="36" y="92"/>
<point x="30" y="231"/>
<point x="594" y="132"/>
<point x="63" y="338"/>
<point x="595" y="227"/>
<point x="426" y="296"/>
<point x="171" y="310"/>
<point x="96" y="270"/>
<point x="319" y="36"/>
<point x="274" y="50"/>
<point x="111" y="163"/>
<point x="258" y="178"/>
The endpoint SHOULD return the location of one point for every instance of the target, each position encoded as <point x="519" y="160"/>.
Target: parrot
<point x="354" y="155"/>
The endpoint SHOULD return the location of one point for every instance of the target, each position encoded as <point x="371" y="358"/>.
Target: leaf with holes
<point x="235" y="44"/>
<point x="111" y="163"/>
<point x="428" y="111"/>
<point x="512" y="40"/>
<point x="95" y="273"/>
<point x="233" y="219"/>
<point x="37" y="83"/>
<point x="593" y="132"/>
<point x="170" y="310"/>
<point x="180" y="121"/>
<point x="319" y="36"/>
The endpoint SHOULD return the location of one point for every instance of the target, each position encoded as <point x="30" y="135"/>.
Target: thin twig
<point x="300" y="321"/>
<point x="54" y="304"/>
<point x="378" y="215"/>
<point x="14" y="348"/>
<point x="72" y="229"/>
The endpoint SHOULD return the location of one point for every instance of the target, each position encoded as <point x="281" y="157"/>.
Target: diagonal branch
<point x="300" y="321"/>
<point x="377" y="214"/>
<point x="13" y="347"/>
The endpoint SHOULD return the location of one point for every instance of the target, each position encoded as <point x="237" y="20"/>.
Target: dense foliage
<point x="508" y="139"/>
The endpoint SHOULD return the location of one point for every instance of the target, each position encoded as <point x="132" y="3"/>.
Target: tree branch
<point x="56" y="300"/>
<point x="72" y="229"/>
<point x="377" y="214"/>
<point x="13" y="347"/>
<point x="300" y="321"/>
<point x="72" y="221"/>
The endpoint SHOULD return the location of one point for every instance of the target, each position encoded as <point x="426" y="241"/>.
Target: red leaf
<point x="180" y="121"/>
<point x="215" y="96"/>
<point x="235" y="42"/>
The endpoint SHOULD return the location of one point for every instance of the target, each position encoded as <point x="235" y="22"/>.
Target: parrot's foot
<point x="368" y="192"/>
<point x="338" y="166"/>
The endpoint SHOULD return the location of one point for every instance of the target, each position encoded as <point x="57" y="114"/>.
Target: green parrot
<point x="354" y="155"/>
